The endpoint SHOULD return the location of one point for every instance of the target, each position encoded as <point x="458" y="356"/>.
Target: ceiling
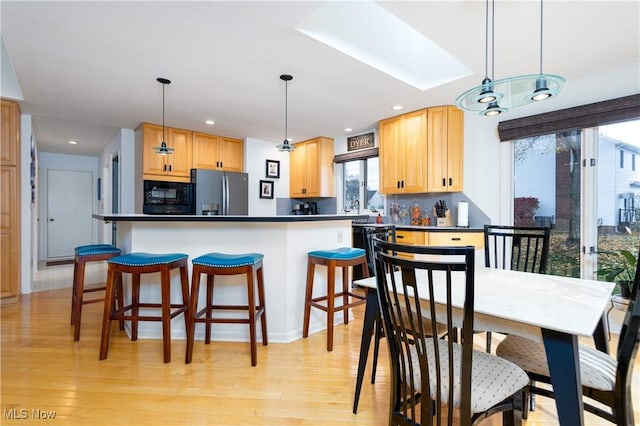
<point x="87" y="69"/>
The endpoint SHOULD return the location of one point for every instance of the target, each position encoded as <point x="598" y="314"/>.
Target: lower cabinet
<point x="446" y="238"/>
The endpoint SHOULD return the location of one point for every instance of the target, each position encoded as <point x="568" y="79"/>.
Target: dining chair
<point x="605" y="379"/>
<point x="431" y="377"/>
<point x="385" y="233"/>
<point x="519" y="248"/>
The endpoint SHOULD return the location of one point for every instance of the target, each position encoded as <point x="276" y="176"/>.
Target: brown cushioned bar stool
<point x="84" y="254"/>
<point x="343" y="257"/>
<point x="145" y="263"/>
<point x="213" y="264"/>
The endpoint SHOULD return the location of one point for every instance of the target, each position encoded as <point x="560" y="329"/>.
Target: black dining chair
<point x="519" y="248"/>
<point x="431" y="377"/>
<point x="605" y="379"/>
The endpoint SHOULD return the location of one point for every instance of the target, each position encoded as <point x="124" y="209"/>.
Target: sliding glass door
<point x="585" y="185"/>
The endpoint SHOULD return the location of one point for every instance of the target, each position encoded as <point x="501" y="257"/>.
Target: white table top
<point x="522" y="303"/>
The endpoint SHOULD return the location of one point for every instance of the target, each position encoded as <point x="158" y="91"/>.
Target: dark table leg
<point x="370" y="312"/>
<point x="564" y="369"/>
<point x="600" y="335"/>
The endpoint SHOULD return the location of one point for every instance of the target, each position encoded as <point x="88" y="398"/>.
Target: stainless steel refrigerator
<point x="220" y="193"/>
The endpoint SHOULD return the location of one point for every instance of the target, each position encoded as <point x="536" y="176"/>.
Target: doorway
<point x="69" y="209"/>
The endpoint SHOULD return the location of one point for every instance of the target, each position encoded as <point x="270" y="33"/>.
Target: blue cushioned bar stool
<point x="213" y="264"/>
<point x="84" y="254"/>
<point x="343" y="257"/>
<point x="145" y="263"/>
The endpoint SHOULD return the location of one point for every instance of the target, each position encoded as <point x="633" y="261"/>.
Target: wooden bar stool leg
<point x="78" y="289"/>
<point x="307" y="298"/>
<point x="165" y="283"/>
<point x="345" y="293"/>
<point x="135" y="305"/>
<point x="263" y="308"/>
<point x="209" y="309"/>
<point x="184" y="281"/>
<point x="252" y="315"/>
<point x="193" y="310"/>
<point x="74" y="291"/>
<point x="106" y="316"/>
<point x="331" y="290"/>
<point x="119" y="298"/>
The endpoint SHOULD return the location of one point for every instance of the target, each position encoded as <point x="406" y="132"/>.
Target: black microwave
<point x="168" y="197"/>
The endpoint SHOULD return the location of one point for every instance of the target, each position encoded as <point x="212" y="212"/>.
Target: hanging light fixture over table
<point x="285" y="146"/>
<point x="163" y="149"/>
<point x="510" y="92"/>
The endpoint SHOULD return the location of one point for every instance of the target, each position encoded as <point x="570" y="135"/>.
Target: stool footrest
<point x="120" y="313"/>
<point x="360" y="300"/>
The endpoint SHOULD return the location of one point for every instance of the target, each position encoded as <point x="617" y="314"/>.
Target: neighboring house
<point x="539" y="165"/>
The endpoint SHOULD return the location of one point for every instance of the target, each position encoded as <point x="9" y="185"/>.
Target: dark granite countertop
<point x="201" y="218"/>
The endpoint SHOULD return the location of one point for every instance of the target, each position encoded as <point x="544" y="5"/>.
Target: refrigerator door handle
<point x="225" y="195"/>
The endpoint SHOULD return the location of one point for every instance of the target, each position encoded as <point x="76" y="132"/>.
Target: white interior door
<point x="69" y="210"/>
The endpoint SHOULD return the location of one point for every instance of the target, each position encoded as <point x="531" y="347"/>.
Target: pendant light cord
<point x="493" y="40"/>
<point x="540" y="36"/>
<point x="163" y="139"/>
<point x="486" y="40"/>
<point x="286" y="110"/>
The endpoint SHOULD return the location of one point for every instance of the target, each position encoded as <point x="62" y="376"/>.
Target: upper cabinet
<point x="311" y="169"/>
<point x="422" y="151"/>
<point x="403" y="153"/>
<point x="445" y="149"/>
<point x="217" y="153"/>
<point x="173" y="167"/>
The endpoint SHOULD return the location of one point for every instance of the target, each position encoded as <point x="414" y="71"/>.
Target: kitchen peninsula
<point x="283" y="240"/>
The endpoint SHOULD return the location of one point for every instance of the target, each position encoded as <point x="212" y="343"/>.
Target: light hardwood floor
<point x="298" y="383"/>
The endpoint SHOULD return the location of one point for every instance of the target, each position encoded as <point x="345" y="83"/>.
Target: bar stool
<point x="144" y="263"/>
<point x="341" y="257"/>
<point x="84" y="254"/>
<point x="213" y="264"/>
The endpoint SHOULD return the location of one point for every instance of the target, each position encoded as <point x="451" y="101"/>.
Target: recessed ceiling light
<point x="397" y="107"/>
<point x="348" y="129"/>
<point x="72" y="142"/>
<point x="210" y="122"/>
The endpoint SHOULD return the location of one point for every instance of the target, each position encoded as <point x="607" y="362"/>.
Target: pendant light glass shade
<point x="285" y="146"/>
<point x="510" y="92"/>
<point x="163" y="149"/>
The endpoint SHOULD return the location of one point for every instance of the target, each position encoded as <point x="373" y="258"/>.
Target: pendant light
<point x="285" y="146"/>
<point x="509" y="92"/>
<point x="542" y="91"/>
<point x="484" y="95"/>
<point x="163" y="149"/>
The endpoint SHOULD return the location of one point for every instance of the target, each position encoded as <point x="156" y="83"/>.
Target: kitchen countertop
<point x="424" y="228"/>
<point x="135" y="217"/>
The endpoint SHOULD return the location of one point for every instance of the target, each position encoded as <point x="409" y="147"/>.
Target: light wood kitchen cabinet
<point x="173" y="167"/>
<point x="414" y="238"/>
<point x="403" y="153"/>
<point x="10" y="203"/>
<point x="217" y="153"/>
<point x="422" y="151"/>
<point x="454" y="238"/>
<point x="311" y="169"/>
<point x="445" y="149"/>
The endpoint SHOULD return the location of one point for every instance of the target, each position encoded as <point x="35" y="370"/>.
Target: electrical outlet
<point x="339" y="236"/>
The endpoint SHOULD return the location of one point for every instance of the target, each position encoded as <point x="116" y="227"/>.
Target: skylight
<point x="367" y="32"/>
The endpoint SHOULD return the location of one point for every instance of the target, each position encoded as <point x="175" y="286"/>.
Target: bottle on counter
<point x="379" y="219"/>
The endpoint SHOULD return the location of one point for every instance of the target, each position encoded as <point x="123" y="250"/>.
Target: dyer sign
<point x="355" y="143"/>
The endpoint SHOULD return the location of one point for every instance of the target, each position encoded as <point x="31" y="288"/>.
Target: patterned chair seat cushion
<point x="492" y="379"/>
<point x="597" y="369"/>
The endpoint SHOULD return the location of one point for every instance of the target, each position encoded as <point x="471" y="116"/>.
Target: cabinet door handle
<point x="170" y="168"/>
<point x="456" y="239"/>
<point x="450" y="181"/>
<point x="399" y="237"/>
<point x="221" y="166"/>
<point x="402" y="184"/>
<point x="444" y="182"/>
<point x="165" y="167"/>
<point x="397" y="184"/>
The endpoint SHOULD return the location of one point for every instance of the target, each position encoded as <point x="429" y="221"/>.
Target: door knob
<point x="51" y="220"/>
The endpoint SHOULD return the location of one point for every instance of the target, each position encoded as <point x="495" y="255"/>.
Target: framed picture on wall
<point x="273" y="169"/>
<point x="266" y="189"/>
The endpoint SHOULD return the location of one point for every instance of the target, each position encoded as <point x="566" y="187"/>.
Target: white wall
<point x="256" y="152"/>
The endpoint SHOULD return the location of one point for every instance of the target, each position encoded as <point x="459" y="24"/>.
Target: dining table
<point x="551" y="309"/>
